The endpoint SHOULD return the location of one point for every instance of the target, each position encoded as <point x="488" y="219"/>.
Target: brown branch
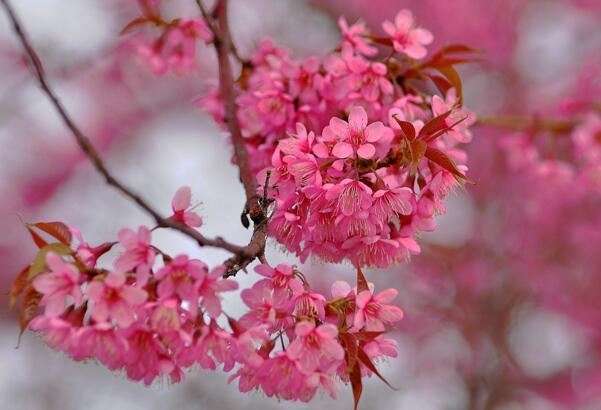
<point x="530" y="124"/>
<point x="89" y="150"/>
<point x="256" y="208"/>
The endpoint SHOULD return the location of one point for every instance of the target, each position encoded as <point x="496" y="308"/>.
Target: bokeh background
<point x="486" y="326"/>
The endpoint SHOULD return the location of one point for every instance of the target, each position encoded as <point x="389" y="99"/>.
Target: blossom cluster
<point x="154" y="320"/>
<point x="175" y="47"/>
<point x="359" y="158"/>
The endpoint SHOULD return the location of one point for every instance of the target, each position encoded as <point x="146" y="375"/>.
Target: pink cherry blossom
<point x="61" y="280"/>
<point x="406" y="37"/>
<point x="354" y="137"/>
<point x="356" y="35"/>
<point x="114" y="299"/>
<point x="373" y="313"/>
<point x="138" y="255"/>
<point x="181" y="206"/>
<point x="312" y="343"/>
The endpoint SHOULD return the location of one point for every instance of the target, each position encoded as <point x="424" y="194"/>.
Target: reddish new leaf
<point x="349" y="343"/>
<point x="407" y="128"/>
<point x="361" y="281"/>
<point x="441" y="159"/>
<point x="367" y="336"/>
<point x="356" y="383"/>
<point x="451" y="74"/>
<point x="435" y="124"/>
<point x="29" y="307"/>
<point x="18" y="286"/>
<point x="441" y="83"/>
<point x="37" y="239"/>
<point x="364" y="358"/>
<point x="418" y="149"/>
<point x="57" y="230"/>
<point x="135" y="23"/>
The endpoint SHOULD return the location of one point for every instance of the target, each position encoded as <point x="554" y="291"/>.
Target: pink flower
<point x="209" y="286"/>
<point x="267" y="307"/>
<point x="355" y="35"/>
<point x="280" y="278"/>
<point x="406" y="37"/>
<point x="60" y="281"/>
<point x="179" y="278"/>
<point x="355" y="136"/>
<point x="138" y="255"/>
<point x="460" y="119"/>
<point x="181" y="206"/>
<point x="313" y="343"/>
<point x="373" y="313"/>
<point x="114" y="299"/>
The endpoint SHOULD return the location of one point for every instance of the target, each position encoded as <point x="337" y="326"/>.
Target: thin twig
<point x="89" y="150"/>
<point x="532" y="124"/>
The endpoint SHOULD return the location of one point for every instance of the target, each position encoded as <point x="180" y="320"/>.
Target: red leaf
<point x="407" y="127"/>
<point x="441" y="159"/>
<point x="349" y="343"/>
<point x="386" y="41"/>
<point x="441" y="83"/>
<point x="444" y="130"/>
<point x="418" y="149"/>
<point x="18" y="286"/>
<point x="135" y="23"/>
<point x="57" y="230"/>
<point x="356" y="383"/>
<point x="435" y="124"/>
<point x="451" y="74"/>
<point x="361" y="281"/>
<point x="364" y="358"/>
<point x="367" y="336"/>
<point x="29" y="307"/>
<point x="37" y="239"/>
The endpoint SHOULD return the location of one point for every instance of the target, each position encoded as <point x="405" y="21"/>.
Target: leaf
<point x="349" y="343"/>
<point x="39" y="263"/>
<point x="37" y="239"/>
<point x="361" y="281"/>
<point x="29" y="307"/>
<point x="366" y="336"/>
<point x="364" y="358"/>
<point x="435" y="124"/>
<point x="17" y="287"/>
<point x="407" y="128"/>
<point x="57" y="230"/>
<point x="441" y="159"/>
<point x="135" y="23"/>
<point x="356" y="384"/>
<point x="418" y="149"/>
<point x="441" y="83"/>
<point x="386" y="41"/>
<point x="434" y="136"/>
<point x="451" y="74"/>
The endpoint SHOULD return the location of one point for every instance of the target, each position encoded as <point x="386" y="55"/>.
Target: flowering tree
<point x="345" y="158"/>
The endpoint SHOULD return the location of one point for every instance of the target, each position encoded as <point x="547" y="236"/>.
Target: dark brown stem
<point x="256" y="210"/>
<point x="89" y="150"/>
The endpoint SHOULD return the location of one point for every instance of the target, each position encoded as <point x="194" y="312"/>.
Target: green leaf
<point x="39" y="263"/>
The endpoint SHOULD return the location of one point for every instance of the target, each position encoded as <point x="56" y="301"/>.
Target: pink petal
<point x="340" y="289"/>
<point x="366" y="151"/>
<point x="327" y="331"/>
<point x="134" y="296"/>
<point x="363" y="298"/>
<point x="358" y="118"/>
<point x="182" y="199"/>
<point x="374" y="131"/>
<point x="342" y="150"/>
<point x="386" y="295"/>
<point x="304" y="328"/>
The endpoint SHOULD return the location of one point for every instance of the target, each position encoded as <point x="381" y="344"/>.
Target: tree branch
<point x="89" y="150"/>
<point x="256" y="209"/>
